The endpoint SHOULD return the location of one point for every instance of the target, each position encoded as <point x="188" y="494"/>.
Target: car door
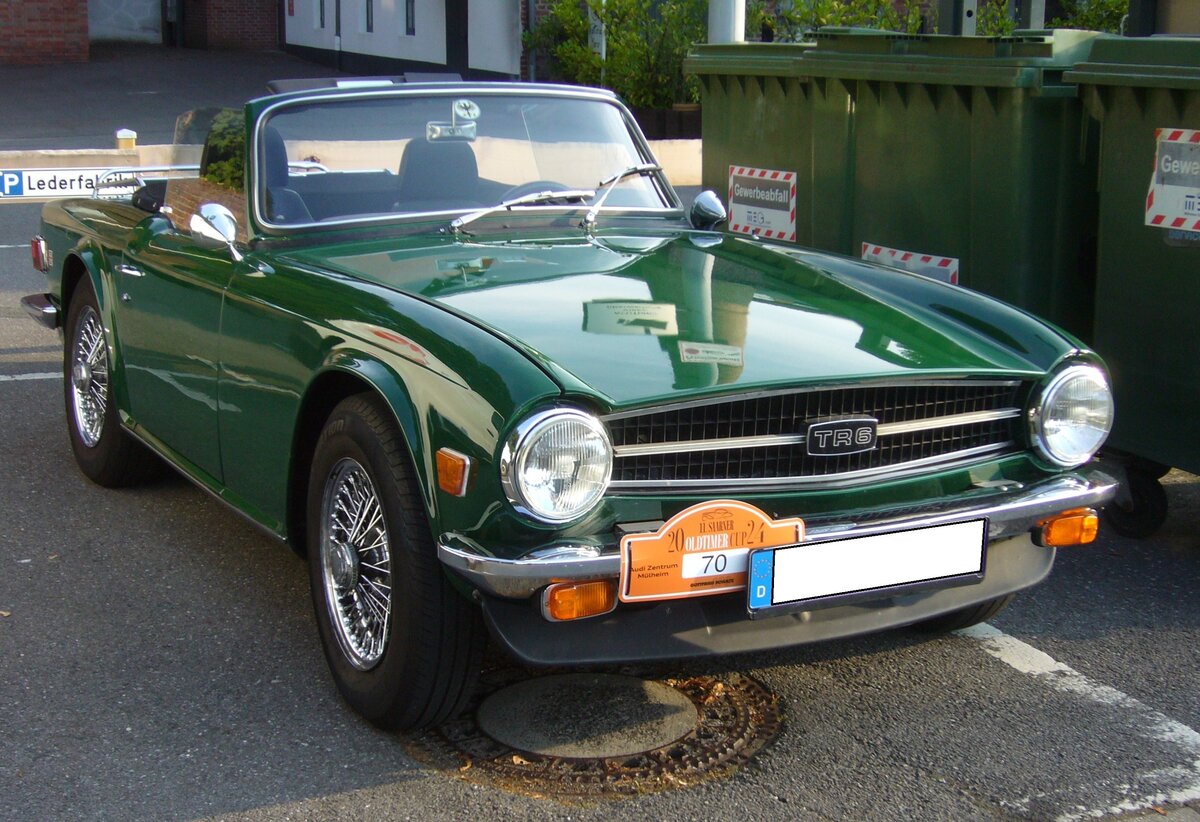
<point x="171" y="292"/>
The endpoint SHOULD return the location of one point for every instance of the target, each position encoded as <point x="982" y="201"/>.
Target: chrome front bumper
<point x="1012" y="511"/>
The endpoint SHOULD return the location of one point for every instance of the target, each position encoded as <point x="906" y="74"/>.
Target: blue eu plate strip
<point x="762" y="575"/>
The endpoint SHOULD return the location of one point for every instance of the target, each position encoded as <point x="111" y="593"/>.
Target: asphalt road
<point x="158" y="660"/>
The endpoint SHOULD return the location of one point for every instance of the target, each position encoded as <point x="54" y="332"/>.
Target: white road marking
<point x="41" y="375"/>
<point x="18" y="245"/>
<point x="1145" y="790"/>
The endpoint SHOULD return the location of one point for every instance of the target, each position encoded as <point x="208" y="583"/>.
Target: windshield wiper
<point x="456" y="225"/>
<point x="608" y="184"/>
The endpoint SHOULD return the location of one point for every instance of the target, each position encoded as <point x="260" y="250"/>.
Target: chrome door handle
<point x="131" y="270"/>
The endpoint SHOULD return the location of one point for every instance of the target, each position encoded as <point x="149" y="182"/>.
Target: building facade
<point x="472" y="38"/>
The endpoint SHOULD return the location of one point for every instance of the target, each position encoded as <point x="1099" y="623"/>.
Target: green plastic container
<point x="1145" y="92"/>
<point x="970" y="155"/>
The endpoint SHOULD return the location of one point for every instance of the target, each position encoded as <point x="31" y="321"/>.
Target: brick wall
<point x="249" y="25"/>
<point x="252" y="25"/>
<point x="44" y="31"/>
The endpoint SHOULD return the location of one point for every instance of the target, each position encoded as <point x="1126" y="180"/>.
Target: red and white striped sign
<point x="1174" y="197"/>
<point x="929" y="265"/>
<point x="762" y="202"/>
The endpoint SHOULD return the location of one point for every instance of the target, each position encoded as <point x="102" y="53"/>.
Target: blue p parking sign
<point x="12" y="183"/>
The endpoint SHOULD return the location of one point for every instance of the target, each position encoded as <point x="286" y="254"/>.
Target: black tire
<point x="104" y="451"/>
<point x="1146" y="510"/>
<point x="420" y="665"/>
<point x="965" y="617"/>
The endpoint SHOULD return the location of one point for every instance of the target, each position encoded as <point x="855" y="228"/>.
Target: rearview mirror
<point x="213" y="226"/>
<point x="707" y="211"/>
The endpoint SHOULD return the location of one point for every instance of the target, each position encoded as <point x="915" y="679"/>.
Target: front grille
<point x="710" y="443"/>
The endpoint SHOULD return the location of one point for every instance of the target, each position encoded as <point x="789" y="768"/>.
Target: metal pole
<point x="727" y="21"/>
<point x="1033" y="14"/>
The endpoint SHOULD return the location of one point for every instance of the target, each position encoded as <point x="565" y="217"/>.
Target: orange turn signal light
<point x="576" y="600"/>
<point x="1076" y="527"/>
<point x="454" y="471"/>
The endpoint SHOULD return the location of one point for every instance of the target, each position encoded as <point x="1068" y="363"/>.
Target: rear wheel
<point x="106" y="453"/>
<point x="965" y="617"/>
<point x="403" y="646"/>
<point x="1141" y="508"/>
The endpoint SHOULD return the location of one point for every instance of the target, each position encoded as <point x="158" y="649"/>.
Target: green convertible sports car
<point x="462" y="346"/>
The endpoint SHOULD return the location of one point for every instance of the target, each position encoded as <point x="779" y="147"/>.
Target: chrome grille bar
<point x="885" y="430"/>
<point x="757" y="439"/>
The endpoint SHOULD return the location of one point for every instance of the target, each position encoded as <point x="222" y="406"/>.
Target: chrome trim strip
<point x="779" y="392"/>
<point x="39" y="307"/>
<point x="684" y="446"/>
<point x="1014" y="513"/>
<point x="951" y="460"/>
<point x="887" y="430"/>
<point x="929" y="424"/>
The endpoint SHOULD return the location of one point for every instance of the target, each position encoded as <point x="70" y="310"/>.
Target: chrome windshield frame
<point x="264" y="227"/>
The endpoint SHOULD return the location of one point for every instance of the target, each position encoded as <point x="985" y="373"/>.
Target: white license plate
<point x="714" y="563"/>
<point x="843" y="568"/>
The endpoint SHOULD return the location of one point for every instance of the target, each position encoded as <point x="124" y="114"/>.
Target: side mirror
<point x="214" y="226"/>
<point x="707" y="211"/>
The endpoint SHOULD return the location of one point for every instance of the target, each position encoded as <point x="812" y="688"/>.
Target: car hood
<point x="634" y="319"/>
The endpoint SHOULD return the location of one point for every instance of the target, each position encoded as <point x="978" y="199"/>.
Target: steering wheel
<point x="533" y="188"/>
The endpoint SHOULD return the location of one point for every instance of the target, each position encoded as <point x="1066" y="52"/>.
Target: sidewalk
<point x="144" y="88"/>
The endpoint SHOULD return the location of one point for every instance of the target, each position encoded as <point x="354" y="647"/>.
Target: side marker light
<point x="1076" y="527"/>
<point x="576" y="600"/>
<point x="454" y="472"/>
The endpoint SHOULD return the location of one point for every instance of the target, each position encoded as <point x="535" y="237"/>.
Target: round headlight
<point x="556" y="465"/>
<point x="1074" y="416"/>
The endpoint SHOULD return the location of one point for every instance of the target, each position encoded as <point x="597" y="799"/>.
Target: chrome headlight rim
<point x="1037" y="416"/>
<point x="515" y="449"/>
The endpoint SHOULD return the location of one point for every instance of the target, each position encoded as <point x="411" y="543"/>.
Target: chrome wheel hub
<point x="89" y="377"/>
<point x="81" y="376"/>
<point x="356" y="564"/>
<point x="343" y="565"/>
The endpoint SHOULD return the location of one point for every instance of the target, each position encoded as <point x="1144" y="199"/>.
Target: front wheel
<point x="105" y="453"/>
<point x="403" y="646"/>
<point x="965" y="617"/>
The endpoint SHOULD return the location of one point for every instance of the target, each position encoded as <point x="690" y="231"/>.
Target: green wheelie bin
<point x="1145" y="93"/>
<point x="964" y="158"/>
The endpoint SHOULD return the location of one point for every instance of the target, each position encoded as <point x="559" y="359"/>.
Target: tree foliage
<point x="646" y="41"/>
<point x="1096" y="15"/>
<point x="792" y="21"/>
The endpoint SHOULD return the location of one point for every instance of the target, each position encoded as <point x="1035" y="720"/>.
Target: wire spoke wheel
<point x="356" y="564"/>
<point x="89" y="377"/>
<point x="402" y="644"/>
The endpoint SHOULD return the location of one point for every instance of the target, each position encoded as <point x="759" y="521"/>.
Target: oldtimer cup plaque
<point x="702" y="550"/>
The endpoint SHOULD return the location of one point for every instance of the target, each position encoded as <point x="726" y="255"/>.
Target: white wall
<point x="130" y="20"/>
<point x="494" y="35"/>
<point x="388" y="37"/>
<point x="303" y="27"/>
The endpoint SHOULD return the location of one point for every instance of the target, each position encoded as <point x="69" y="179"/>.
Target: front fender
<point x="466" y="407"/>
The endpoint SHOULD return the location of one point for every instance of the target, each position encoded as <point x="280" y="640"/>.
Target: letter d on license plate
<point x="836" y="571"/>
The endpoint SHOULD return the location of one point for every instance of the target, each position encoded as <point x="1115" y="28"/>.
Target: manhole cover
<point x="615" y="735"/>
<point x="587" y="716"/>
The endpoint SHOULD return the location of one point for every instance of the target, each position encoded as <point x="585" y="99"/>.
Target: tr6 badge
<point x="834" y="438"/>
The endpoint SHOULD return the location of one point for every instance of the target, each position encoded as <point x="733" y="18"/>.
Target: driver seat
<point x="436" y="176"/>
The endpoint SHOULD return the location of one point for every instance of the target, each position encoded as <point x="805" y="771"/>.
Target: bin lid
<point x="754" y="59"/>
<point x="1027" y="59"/>
<point x="1148" y="62"/>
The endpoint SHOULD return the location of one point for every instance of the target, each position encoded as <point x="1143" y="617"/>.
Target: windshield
<point x="352" y="159"/>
